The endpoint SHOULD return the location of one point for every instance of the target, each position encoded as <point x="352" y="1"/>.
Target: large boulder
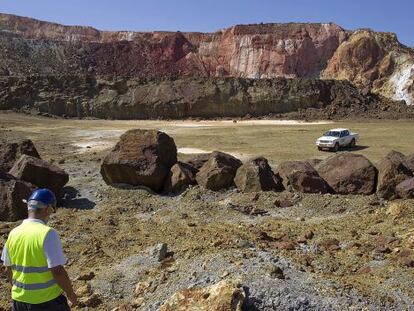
<point x="218" y="172"/>
<point x="256" y="175"/>
<point x="198" y="160"/>
<point x="11" y="150"/>
<point x="302" y="177"/>
<point x="392" y="170"/>
<point x="410" y="162"/>
<point x="349" y="173"/>
<point x="141" y="157"/>
<point x="223" y="296"/>
<point x="314" y="162"/>
<point x="180" y="177"/>
<point x="12" y="194"/>
<point x="40" y="173"/>
<point x="405" y="189"/>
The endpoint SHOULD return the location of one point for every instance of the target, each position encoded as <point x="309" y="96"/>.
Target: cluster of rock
<point x="21" y="172"/>
<point x="149" y="158"/>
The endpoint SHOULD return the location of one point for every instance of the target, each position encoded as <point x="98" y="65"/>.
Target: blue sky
<point x="210" y="15"/>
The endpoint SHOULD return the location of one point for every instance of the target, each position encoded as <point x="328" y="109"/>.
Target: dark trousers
<point x="58" y="304"/>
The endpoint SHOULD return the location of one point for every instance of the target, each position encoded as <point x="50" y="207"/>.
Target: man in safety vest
<point x="34" y="260"/>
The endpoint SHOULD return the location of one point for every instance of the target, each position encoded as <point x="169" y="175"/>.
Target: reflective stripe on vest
<point x="34" y="286"/>
<point x="29" y="269"/>
<point x="32" y="280"/>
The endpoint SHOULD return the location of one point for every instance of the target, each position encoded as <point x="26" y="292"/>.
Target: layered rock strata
<point x="133" y="98"/>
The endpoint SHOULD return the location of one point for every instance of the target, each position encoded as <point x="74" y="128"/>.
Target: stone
<point x="90" y="301"/>
<point x="276" y="272"/>
<point x="349" y="173"/>
<point x="330" y="244"/>
<point x="392" y="170"/>
<point x="181" y="176"/>
<point x="288" y="245"/>
<point x="283" y="203"/>
<point x="256" y="175"/>
<point x="141" y="288"/>
<point x="198" y="160"/>
<point x="84" y="290"/>
<point x="138" y="302"/>
<point x="12" y="194"/>
<point x="140" y="158"/>
<point x="405" y="189"/>
<point x="40" y="173"/>
<point x="302" y="177"/>
<point x="87" y="276"/>
<point x="218" y="172"/>
<point x="160" y="251"/>
<point x="225" y="296"/>
<point x="11" y="150"/>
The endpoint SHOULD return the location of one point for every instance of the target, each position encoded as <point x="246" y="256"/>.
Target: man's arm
<point x="55" y="261"/>
<point x="6" y="263"/>
<point x="61" y="277"/>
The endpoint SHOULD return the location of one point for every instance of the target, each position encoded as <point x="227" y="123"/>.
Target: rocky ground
<point x="287" y="251"/>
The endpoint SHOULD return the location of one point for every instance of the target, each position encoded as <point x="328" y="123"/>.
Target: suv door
<point x="342" y="138"/>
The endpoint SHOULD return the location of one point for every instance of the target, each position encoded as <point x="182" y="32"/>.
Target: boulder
<point x="302" y="177"/>
<point x="141" y="157"/>
<point x="256" y="175"/>
<point x="11" y="150"/>
<point x="198" y="160"/>
<point x="349" y="173"/>
<point x="12" y="194"/>
<point x="405" y="189"/>
<point x="40" y="173"/>
<point x="392" y="170"/>
<point x="410" y="162"/>
<point x="314" y="162"/>
<point x="218" y="172"/>
<point x="180" y="177"/>
<point x="223" y="296"/>
<point x="396" y="156"/>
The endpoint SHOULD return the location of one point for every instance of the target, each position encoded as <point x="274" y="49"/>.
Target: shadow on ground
<point x="356" y="148"/>
<point x="72" y="199"/>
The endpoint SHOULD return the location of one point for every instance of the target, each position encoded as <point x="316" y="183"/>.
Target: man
<point x="34" y="260"/>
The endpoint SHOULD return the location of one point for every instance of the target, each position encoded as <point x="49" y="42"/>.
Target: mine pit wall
<point x="134" y="98"/>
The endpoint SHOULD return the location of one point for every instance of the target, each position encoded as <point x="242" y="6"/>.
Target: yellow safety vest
<point x="32" y="280"/>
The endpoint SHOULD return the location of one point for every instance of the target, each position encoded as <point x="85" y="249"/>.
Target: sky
<point x="211" y="15"/>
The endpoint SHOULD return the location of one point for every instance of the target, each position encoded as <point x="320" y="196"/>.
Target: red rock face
<point x="272" y="50"/>
<point x="252" y="51"/>
<point x="370" y="60"/>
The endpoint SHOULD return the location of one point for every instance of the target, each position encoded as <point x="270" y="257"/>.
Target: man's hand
<point x="62" y="278"/>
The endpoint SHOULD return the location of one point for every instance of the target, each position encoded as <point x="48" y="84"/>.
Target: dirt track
<point x="353" y="261"/>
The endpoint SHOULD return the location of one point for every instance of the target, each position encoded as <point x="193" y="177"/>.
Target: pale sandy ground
<point x="277" y="140"/>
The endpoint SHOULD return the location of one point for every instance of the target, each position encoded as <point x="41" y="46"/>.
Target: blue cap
<point x="44" y="196"/>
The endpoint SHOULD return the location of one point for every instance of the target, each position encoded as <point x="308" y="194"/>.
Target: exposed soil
<point x="335" y="252"/>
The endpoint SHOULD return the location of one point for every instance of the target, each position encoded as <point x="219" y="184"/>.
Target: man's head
<point x="41" y="204"/>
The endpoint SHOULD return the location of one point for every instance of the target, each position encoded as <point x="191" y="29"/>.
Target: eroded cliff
<point x="372" y="61"/>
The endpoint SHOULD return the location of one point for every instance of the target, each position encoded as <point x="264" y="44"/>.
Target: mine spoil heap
<point x="137" y="75"/>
